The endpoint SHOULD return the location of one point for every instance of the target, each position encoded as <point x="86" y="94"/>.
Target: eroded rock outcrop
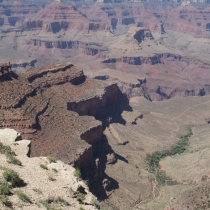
<point x="56" y="106"/>
<point x="5" y="71"/>
<point x="14" y="14"/>
<point x="43" y="186"/>
<point x="58" y="16"/>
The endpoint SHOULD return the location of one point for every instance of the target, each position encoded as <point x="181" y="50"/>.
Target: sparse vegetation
<point x="4" y="199"/>
<point x="77" y="173"/>
<point x="154" y="159"/>
<point x="51" y="159"/>
<point x="43" y="166"/>
<point x="4" y="149"/>
<point x="13" y="160"/>
<point x="37" y="190"/>
<point x="80" y="197"/>
<point x="4" y="189"/>
<point x="22" y="196"/>
<point x="59" y="199"/>
<point x="95" y="203"/>
<point x="47" y="205"/>
<point x="13" y="177"/>
<point x="38" y="204"/>
<point x="80" y="208"/>
<point x="55" y="170"/>
<point x="162" y="178"/>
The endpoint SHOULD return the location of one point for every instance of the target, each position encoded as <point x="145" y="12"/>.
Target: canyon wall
<point x="55" y="106"/>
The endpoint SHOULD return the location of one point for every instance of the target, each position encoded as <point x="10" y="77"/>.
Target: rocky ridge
<point x="56" y="107"/>
<point x="59" y="16"/>
<point x="38" y="186"/>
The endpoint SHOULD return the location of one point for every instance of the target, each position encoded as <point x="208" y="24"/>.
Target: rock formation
<point x="43" y="187"/>
<point x="136" y="38"/>
<point x="14" y="14"/>
<point x="56" y="107"/>
<point x="58" y="16"/>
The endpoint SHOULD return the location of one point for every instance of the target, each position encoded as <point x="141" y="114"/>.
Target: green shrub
<point x="13" y="177"/>
<point x="77" y="172"/>
<point x="51" y="159"/>
<point x="13" y="160"/>
<point x="43" y="166"/>
<point x="59" y="199"/>
<point x="4" y="189"/>
<point x="5" y="200"/>
<point x="47" y="205"/>
<point x="4" y="149"/>
<point x="96" y="203"/>
<point x="38" y="204"/>
<point x="80" y="197"/>
<point x="154" y="159"/>
<point x="80" y="208"/>
<point x="37" y="190"/>
<point x="22" y="196"/>
<point x="55" y="170"/>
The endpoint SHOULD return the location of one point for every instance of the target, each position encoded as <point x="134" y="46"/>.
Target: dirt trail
<point x="189" y="109"/>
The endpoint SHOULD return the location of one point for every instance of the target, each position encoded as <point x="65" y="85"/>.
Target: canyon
<point x="136" y="38"/>
<point x="91" y="125"/>
<point x="100" y="85"/>
<point x="64" y="113"/>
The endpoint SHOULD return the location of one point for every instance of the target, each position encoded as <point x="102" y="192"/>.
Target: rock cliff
<point x="13" y="15"/>
<point x="58" y="16"/>
<point x="5" y="71"/>
<point x="137" y="38"/>
<point x="43" y="186"/>
<point x="56" y="106"/>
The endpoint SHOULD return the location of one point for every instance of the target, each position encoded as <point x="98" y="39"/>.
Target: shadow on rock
<point x="103" y="155"/>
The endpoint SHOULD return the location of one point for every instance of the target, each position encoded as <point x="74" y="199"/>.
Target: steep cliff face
<point x="14" y="15"/>
<point x="56" y="107"/>
<point x="58" y="16"/>
<point x="5" y="71"/>
<point x="194" y="30"/>
<point x="101" y="106"/>
<point x="141" y="35"/>
<point x="36" y="186"/>
<point x="129" y="84"/>
<point x="139" y="60"/>
<point x="190" y="20"/>
<point x="86" y="48"/>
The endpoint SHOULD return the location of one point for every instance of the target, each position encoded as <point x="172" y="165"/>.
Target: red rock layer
<point x="58" y="16"/>
<point x="37" y="105"/>
<point x="16" y="14"/>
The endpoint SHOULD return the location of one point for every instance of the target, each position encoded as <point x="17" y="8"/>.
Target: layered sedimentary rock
<point x="137" y="38"/>
<point x="58" y="16"/>
<point x="85" y="48"/>
<point x="15" y="14"/>
<point x="56" y="106"/>
<point x="190" y="20"/>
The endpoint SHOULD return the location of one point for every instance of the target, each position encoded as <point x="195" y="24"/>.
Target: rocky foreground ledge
<point x="48" y="184"/>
